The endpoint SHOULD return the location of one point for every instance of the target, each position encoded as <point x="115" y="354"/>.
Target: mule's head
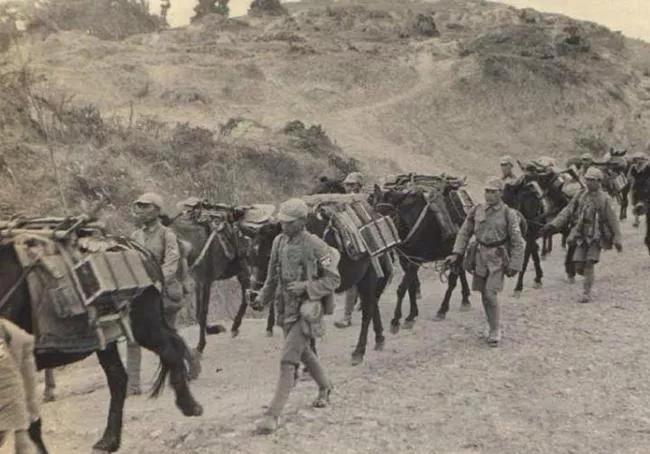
<point x="259" y="253"/>
<point x="404" y="205"/>
<point x="326" y="185"/>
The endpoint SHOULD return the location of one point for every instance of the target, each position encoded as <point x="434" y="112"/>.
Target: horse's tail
<point x="181" y="354"/>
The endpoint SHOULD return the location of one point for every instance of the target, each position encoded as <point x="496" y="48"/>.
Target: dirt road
<point x="568" y="378"/>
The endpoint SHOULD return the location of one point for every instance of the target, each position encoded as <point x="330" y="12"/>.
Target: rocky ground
<point x="568" y="378"/>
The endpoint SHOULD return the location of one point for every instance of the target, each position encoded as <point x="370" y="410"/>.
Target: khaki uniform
<point x="500" y="244"/>
<point x="595" y="225"/>
<point x="500" y="247"/>
<point x="19" y="404"/>
<point x="303" y="258"/>
<point x="163" y="244"/>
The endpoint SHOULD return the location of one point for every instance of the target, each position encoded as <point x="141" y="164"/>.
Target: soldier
<point x="353" y="185"/>
<point x="586" y="161"/>
<point x="595" y="226"/>
<point x="638" y="165"/>
<point x="19" y="404"/>
<point x="302" y="270"/>
<point x="507" y="170"/>
<point x="164" y="7"/>
<point x="161" y="241"/>
<point x="499" y="250"/>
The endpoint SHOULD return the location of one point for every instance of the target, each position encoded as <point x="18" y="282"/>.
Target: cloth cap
<point x="151" y="198"/>
<point x="494" y="183"/>
<point x="190" y="202"/>
<point x="639" y="155"/>
<point x="587" y="156"/>
<point x="354" y="178"/>
<point x="593" y="173"/>
<point x="546" y="161"/>
<point x="292" y="210"/>
<point x="507" y="160"/>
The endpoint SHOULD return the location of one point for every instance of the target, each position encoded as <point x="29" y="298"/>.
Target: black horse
<point x="422" y="242"/>
<point x="525" y="196"/>
<point x="359" y="273"/>
<point x="149" y="329"/>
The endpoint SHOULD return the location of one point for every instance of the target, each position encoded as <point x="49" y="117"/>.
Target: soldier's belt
<point x="494" y="244"/>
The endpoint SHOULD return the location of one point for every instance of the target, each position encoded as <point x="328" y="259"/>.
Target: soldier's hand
<point x="619" y="247"/>
<point x="451" y="260"/>
<point x="297" y="288"/>
<point x="511" y="272"/>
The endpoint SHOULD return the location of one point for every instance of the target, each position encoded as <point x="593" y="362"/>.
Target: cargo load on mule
<point x="358" y="229"/>
<point x="80" y="280"/>
<point x="447" y="197"/>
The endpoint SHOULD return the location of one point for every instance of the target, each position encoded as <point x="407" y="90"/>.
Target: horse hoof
<point x="195" y="366"/>
<point x="48" y="396"/>
<point x="191" y="409"/>
<point x="516" y="294"/>
<point x="408" y="324"/>
<point x="440" y="316"/>
<point x="215" y="329"/>
<point x="107" y="445"/>
<point x="357" y="358"/>
<point x="394" y="328"/>
<point x="379" y="346"/>
<point x="269" y="333"/>
<point x="234" y="333"/>
<point x="466" y="307"/>
<point x="537" y="285"/>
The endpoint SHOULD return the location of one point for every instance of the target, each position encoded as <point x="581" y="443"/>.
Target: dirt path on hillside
<point x="568" y="378"/>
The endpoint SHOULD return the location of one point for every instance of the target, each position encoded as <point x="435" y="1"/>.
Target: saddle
<point x="80" y="280"/>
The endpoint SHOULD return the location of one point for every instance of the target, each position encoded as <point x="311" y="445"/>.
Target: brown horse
<point x="149" y="329"/>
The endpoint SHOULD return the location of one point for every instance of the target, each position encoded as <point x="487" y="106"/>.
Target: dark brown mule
<point x="149" y="329"/>
<point x="422" y="243"/>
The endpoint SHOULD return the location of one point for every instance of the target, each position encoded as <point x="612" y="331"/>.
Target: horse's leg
<point x="520" y="278"/>
<point x="367" y="295"/>
<point x="647" y="228"/>
<point x="624" y="201"/>
<point x="410" y="273"/>
<point x="539" y="273"/>
<point x="444" y="306"/>
<point x="203" y="304"/>
<point x="270" y="320"/>
<point x="465" y="290"/>
<point x="413" y="302"/>
<point x="244" y="284"/>
<point x="378" y="326"/>
<point x="116" y="377"/>
<point x="50" y="386"/>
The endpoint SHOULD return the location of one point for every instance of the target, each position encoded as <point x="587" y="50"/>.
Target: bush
<point x="267" y="8"/>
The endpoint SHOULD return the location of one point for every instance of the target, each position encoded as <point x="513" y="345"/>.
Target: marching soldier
<point x="595" y="227"/>
<point x="302" y="271"/>
<point x="161" y="241"/>
<point x="507" y="170"/>
<point x="19" y="403"/>
<point x="498" y="250"/>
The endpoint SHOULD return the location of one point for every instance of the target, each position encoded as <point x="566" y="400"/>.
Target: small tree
<point x="205" y="7"/>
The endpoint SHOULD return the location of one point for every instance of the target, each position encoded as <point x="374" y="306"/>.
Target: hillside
<point x="496" y="80"/>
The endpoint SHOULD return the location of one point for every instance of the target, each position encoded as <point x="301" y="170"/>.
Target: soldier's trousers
<point x="296" y="349"/>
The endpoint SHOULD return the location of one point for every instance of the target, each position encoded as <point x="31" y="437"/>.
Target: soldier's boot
<point x="345" y="322"/>
<point x="588" y="283"/>
<point x="133" y="363"/>
<point x="269" y="423"/>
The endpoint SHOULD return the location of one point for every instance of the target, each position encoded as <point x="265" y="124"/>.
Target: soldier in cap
<point x="639" y="164"/>
<point x="507" y="170"/>
<point x="498" y="250"/>
<point x="594" y="227"/>
<point x="353" y="183"/>
<point x="303" y="269"/>
<point x="162" y="242"/>
<point x="586" y="161"/>
<point x="19" y="402"/>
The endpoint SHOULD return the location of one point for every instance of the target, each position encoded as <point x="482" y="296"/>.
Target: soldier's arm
<point x="517" y="242"/>
<point x="329" y="279"/>
<point x="172" y="255"/>
<point x="272" y="278"/>
<point x="564" y="216"/>
<point x="465" y="233"/>
<point x="612" y="221"/>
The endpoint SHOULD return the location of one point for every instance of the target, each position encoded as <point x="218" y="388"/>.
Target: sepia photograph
<point x="324" y="226"/>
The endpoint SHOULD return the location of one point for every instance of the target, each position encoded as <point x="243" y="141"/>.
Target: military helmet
<point x="507" y="160"/>
<point x="292" y="210"/>
<point x="151" y="198"/>
<point x="494" y="184"/>
<point x="354" y="178"/>
<point x="593" y="173"/>
<point x="639" y="155"/>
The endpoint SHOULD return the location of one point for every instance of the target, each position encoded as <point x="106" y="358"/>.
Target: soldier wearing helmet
<point x="162" y="242"/>
<point x="353" y="183"/>
<point x="498" y="250"/>
<point x="594" y="227"/>
<point x="507" y="170"/>
<point x="303" y="269"/>
<point x="586" y="161"/>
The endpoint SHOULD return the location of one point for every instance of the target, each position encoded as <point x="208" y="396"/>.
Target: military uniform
<point x="499" y="248"/>
<point x="306" y="259"/>
<point x="594" y="227"/>
<point x="19" y="404"/>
